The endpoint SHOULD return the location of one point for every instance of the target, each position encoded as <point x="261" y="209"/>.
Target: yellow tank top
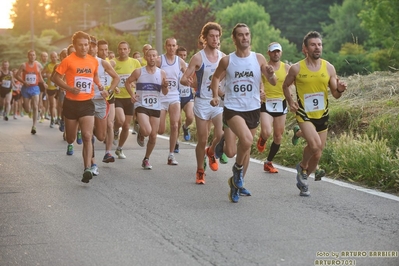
<point x="275" y="92"/>
<point x="312" y="91"/>
<point x="49" y="69"/>
<point x="124" y="69"/>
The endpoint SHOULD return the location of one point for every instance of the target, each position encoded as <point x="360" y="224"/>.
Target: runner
<point x="186" y="100"/>
<point x="172" y="64"/>
<point x="203" y="64"/>
<point x="124" y="107"/>
<point x="7" y="84"/>
<point x="43" y="98"/>
<point x="80" y="70"/>
<point x="274" y="110"/>
<point x="150" y="82"/>
<point x="105" y="78"/>
<point x="312" y="77"/>
<point x="242" y="70"/>
<point x="105" y="73"/>
<point x="51" y="88"/>
<point x="29" y="74"/>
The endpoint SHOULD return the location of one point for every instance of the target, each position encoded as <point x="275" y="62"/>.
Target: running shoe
<point x="51" y="124"/>
<point x="219" y="148"/>
<point x="69" y="149"/>
<point x="261" y="144"/>
<point x="268" y="167"/>
<point x="116" y="136"/>
<point x="62" y="126"/>
<point x="41" y="120"/>
<point x="234" y="194"/>
<point x="108" y="158"/>
<point x="295" y="139"/>
<point x="237" y="179"/>
<point x="177" y="148"/>
<point x="33" y="131"/>
<point x="94" y="169"/>
<point x="186" y="133"/>
<point x="79" y="137"/>
<point x="244" y="192"/>
<point x="57" y="121"/>
<point x="6" y="118"/>
<point x="302" y="181"/>
<point x="213" y="163"/>
<point x="200" y="177"/>
<point x="172" y="160"/>
<point x="120" y="154"/>
<point x="224" y="159"/>
<point x="140" y="139"/>
<point x="146" y="164"/>
<point x="87" y="175"/>
<point x="319" y="173"/>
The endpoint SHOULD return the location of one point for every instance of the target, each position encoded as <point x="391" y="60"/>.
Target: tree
<point x="21" y="16"/>
<point x="255" y="17"/>
<point x="345" y="27"/>
<point x="380" y="19"/>
<point x="187" y="24"/>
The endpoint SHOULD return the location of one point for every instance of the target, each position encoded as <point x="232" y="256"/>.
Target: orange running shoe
<point x="200" y="177"/>
<point x="213" y="163"/>
<point x="268" y="167"/>
<point x="261" y="144"/>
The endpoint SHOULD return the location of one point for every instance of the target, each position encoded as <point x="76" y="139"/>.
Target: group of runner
<point x="233" y="92"/>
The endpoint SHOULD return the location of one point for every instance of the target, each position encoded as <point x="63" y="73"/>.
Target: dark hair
<point x="124" y="42"/>
<point x="210" y="26"/>
<point x="69" y="47"/>
<point x="181" y="49"/>
<point x="311" y="35"/>
<point x="238" y="25"/>
<point x="101" y="42"/>
<point x="80" y="35"/>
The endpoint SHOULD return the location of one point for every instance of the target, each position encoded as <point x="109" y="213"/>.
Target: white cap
<point x="275" y="46"/>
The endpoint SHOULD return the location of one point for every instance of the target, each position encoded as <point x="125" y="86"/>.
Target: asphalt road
<point x="131" y="216"/>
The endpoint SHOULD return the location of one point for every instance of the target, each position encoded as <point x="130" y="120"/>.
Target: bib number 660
<point x="242" y="88"/>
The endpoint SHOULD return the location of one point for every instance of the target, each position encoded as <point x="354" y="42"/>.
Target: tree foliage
<point x="346" y="26"/>
<point x="187" y="24"/>
<point x="262" y="33"/>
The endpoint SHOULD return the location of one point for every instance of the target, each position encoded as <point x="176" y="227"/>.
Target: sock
<point x="273" y="151"/>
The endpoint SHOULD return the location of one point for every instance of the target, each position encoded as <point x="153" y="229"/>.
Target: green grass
<point x="363" y="139"/>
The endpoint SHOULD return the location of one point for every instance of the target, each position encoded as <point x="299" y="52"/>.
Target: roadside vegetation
<point x="363" y="142"/>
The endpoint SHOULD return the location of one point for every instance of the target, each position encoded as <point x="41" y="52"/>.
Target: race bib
<point x="314" y="102"/>
<point x="123" y="80"/>
<point x="30" y="78"/>
<point x="172" y="84"/>
<point x="84" y="84"/>
<point x="242" y="90"/>
<point x="6" y="83"/>
<point x="105" y="80"/>
<point x="274" y="105"/>
<point x="150" y="101"/>
<point x="185" y="91"/>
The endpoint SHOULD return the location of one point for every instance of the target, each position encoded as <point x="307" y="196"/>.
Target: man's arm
<point x="267" y="70"/>
<point x="289" y="79"/>
<point x="18" y="76"/>
<point x="165" y="84"/>
<point x="337" y="87"/>
<point x="216" y="78"/>
<point x="111" y="71"/>
<point x="187" y="78"/>
<point x="128" y="84"/>
<point x="57" y="79"/>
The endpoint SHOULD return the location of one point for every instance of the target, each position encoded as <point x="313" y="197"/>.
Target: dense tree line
<point x="360" y="36"/>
